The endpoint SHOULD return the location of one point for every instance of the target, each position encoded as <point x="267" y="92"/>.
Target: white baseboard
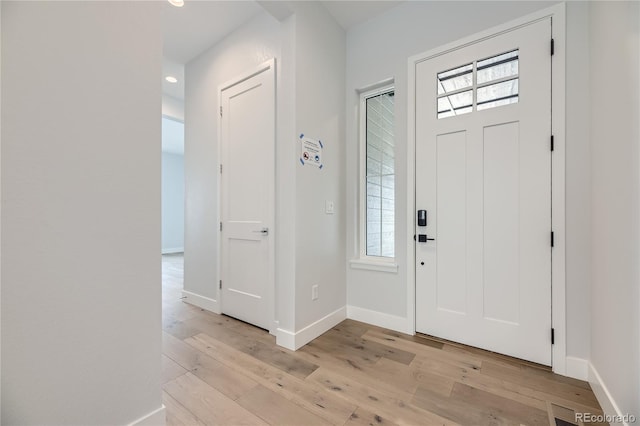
<point x="319" y="327"/>
<point x="274" y="328"/>
<point x="577" y="368"/>
<point x="173" y="250"/>
<point x="295" y="341"/>
<point x="392" y="322"/>
<point x="604" y="397"/>
<point x="201" y="301"/>
<point x="155" y="418"/>
<point x="286" y="339"/>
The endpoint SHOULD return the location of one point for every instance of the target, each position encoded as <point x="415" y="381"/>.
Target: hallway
<point x="217" y="370"/>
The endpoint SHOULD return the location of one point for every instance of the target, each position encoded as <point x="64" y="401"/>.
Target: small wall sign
<point x="310" y="151"/>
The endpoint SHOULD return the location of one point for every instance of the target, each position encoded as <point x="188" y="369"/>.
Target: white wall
<point x="0" y="212"/>
<point x="615" y="322"/>
<point x="320" y="83"/>
<point x="309" y="47"/>
<point x="172" y="203"/>
<point x="285" y="291"/>
<point x="578" y="181"/>
<point x="172" y="107"/>
<point x="379" y="49"/>
<point x="81" y="306"/>
<point x="243" y="50"/>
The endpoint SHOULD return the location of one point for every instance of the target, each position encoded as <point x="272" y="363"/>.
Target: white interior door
<point x="247" y="196"/>
<point x="483" y="174"/>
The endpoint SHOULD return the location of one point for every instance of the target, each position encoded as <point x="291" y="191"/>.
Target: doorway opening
<point x="172" y="186"/>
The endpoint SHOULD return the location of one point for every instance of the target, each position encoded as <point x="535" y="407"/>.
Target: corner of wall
<point x="286" y="339"/>
<point x="0" y="210"/>
<point x="380" y="319"/>
<point x="286" y="208"/>
<point x="577" y="368"/>
<point x="609" y="406"/>
<point x="615" y="225"/>
<point x="295" y="341"/>
<point x="155" y="418"/>
<point x="320" y="47"/>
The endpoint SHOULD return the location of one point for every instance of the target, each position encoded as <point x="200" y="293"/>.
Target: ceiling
<point x="190" y="30"/>
<point x="177" y="70"/>
<point x="199" y="24"/>
<point x="351" y="13"/>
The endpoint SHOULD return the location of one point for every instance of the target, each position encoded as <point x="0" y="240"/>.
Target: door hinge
<point x="552" y="145"/>
<point x="220" y="168"/>
<point x="221" y="226"/>
<point x="553" y="336"/>
<point x="220" y="111"/>
<point x="551" y="238"/>
<point x="553" y="49"/>
<point x="220" y="285"/>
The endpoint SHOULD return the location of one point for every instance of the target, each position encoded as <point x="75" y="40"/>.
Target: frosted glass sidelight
<point x="380" y="176"/>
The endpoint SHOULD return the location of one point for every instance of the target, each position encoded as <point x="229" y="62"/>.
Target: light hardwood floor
<point x="221" y="371"/>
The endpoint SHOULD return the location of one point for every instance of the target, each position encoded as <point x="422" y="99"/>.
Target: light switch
<point x="328" y="207"/>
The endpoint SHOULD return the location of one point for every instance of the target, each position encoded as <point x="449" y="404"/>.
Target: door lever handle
<point x="264" y="231"/>
<point x="423" y="238"/>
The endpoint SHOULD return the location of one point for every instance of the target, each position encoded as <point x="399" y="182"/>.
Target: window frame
<point x="476" y="105"/>
<point x="364" y="261"/>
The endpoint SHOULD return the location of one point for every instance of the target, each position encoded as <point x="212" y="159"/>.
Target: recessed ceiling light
<point x="177" y="3"/>
<point x="171" y="79"/>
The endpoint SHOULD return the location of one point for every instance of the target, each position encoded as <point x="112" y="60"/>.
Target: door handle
<point x="264" y="231"/>
<point x="423" y="238"/>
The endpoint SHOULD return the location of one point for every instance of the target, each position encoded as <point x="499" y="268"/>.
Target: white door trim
<point x="558" y="274"/>
<point x="270" y="296"/>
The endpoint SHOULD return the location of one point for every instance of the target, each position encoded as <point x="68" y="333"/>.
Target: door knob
<point x="264" y="231"/>
<point x="423" y="238"/>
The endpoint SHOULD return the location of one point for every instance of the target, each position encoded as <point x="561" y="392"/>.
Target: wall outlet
<point x="314" y="292"/>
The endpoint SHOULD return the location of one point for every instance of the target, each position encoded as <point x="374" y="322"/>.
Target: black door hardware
<point x="423" y="238"/>
<point x="422" y="218"/>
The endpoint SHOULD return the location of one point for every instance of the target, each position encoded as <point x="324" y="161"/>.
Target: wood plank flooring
<point x="220" y="371"/>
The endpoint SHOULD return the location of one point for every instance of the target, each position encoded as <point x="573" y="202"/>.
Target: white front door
<point x="483" y="174"/>
<point x="247" y="196"/>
